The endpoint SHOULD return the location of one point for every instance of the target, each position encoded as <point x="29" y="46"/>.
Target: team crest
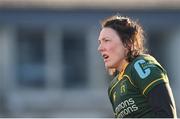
<point x="123" y="88"/>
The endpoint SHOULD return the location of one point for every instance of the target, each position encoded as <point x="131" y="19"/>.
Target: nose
<point x="100" y="48"/>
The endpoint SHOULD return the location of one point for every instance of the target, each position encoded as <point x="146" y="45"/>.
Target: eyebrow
<point x="106" y="38"/>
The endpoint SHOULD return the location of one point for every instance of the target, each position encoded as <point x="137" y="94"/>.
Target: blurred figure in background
<point x="141" y="87"/>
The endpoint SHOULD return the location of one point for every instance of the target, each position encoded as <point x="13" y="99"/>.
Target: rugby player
<point x="141" y="87"/>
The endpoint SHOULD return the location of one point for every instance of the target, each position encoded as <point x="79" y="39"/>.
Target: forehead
<point x="108" y="32"/>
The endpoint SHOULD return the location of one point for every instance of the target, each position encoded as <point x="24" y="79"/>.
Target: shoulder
<point x="147" y="72"/>
<point x="146" y="58"/>
<point x="144" y="64"/>
<point x="113" y="81"/>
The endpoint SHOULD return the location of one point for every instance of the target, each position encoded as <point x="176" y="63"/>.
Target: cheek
<point x="117" y="51"/>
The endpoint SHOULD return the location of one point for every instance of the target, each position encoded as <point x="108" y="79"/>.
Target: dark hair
<point x="130" y="33"/>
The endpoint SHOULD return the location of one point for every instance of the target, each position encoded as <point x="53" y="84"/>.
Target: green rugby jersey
<point x="128" y="93"/>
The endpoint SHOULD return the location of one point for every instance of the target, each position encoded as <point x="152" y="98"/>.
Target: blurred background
<point x="49" y="64"/>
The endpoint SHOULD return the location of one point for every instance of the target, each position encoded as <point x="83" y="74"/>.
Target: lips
<point x="105" y="57"/>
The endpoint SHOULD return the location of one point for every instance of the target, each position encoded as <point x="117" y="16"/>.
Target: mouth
<point x="105" y="57"/>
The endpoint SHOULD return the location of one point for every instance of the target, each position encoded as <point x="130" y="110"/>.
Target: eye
<point x="106" y="40"/>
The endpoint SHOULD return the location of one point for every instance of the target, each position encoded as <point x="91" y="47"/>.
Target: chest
<point x="123" y="92"/>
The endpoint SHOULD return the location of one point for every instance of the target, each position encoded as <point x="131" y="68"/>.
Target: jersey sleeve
<point x="146" y="74"/>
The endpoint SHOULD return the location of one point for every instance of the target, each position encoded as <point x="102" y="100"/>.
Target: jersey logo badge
<point x="141" y="70"/>
<point x="123" y="88"/>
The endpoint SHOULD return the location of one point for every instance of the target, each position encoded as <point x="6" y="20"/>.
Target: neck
<point x="122" y="65"/>
<point x="122" y="68"/>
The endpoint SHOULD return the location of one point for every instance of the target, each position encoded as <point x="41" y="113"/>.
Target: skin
<point x="112" y="49"/>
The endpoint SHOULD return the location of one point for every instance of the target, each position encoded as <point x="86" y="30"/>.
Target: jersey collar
<point x="122" y="71"/>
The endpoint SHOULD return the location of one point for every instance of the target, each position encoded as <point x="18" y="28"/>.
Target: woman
<point x="141" y="87"/>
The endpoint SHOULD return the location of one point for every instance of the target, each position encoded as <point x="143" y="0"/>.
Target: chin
<point x="109" y="66"/>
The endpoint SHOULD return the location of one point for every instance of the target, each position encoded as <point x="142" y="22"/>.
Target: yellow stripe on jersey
<point x="119" y="77"/>
<point x="118" y="82"/>
<point x="113" y="87"/>
<point x="151" y="84"/>
<point x="129" y="80"/>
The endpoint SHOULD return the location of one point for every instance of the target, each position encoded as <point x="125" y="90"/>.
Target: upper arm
<point x="148" y="74"/>
<point x="161" y="100"/>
